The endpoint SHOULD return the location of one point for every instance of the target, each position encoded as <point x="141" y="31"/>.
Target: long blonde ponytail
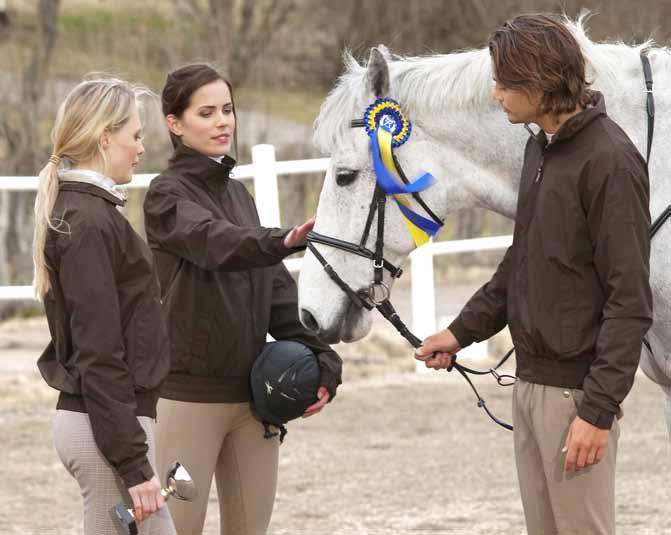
<point x="90" y="109"/>
<point x="47" y="191"/>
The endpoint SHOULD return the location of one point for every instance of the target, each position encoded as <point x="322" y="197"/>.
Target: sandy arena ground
<point x="395" y="453"/>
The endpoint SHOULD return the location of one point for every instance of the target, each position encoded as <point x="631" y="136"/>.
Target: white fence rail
<point x="264" y="171"/>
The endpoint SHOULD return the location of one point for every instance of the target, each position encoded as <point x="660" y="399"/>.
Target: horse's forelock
<point x="341" y="106"/>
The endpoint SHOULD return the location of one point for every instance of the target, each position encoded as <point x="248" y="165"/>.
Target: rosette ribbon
<point x="421" y="229"/>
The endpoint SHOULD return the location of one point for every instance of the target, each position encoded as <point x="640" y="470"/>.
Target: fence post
<point x="423" y="295"/>
<point x="265" y="185"/>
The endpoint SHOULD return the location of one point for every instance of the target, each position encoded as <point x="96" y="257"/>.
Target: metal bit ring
<point x="378" y="293"/>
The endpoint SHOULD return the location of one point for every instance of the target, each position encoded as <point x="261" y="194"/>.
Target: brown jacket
<point x="109" y="351"/>
<point x="574" y="287"/>
<point x="223" y="282"/>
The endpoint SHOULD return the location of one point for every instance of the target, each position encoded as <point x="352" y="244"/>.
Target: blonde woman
<point x="109" y="352"/>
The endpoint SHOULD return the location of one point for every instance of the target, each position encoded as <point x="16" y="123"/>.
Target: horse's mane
<point x="456" y="81"/>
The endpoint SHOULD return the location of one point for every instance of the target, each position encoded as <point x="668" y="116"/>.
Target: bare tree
<point x="24" y="148"/>
<point x="4" y="16"/>
<point x="242" y="29"/>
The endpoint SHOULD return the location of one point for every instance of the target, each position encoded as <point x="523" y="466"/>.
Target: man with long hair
<point x="574" y="286"/>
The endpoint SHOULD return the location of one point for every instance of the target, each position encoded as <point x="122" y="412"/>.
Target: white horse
<point x="466" y="142"/>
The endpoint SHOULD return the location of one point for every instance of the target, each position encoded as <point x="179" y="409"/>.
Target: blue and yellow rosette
<point x="388" y="128"/>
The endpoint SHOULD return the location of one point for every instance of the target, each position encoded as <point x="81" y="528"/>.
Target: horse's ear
<point x="377" y="73"/>
<point x="382" y="49"/>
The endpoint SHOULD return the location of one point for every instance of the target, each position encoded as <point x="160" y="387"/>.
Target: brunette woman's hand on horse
<point x="438" y="351"/>
<point x="147" y="498"/>
<point x="323" y="396"/>
<point x="297" y="235"/>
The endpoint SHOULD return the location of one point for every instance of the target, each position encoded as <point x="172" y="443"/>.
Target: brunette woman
<point x="224" y="288"/>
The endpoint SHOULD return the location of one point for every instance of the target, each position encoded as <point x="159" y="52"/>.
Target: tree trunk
<point x="26" y="153"/>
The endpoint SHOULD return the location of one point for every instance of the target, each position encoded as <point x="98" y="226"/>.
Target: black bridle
<point x="377" y="294"/>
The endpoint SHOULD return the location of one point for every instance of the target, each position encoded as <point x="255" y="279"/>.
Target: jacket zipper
<point x="539" y="173"/>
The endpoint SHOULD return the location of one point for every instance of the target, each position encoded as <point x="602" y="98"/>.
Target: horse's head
<point x="344" y="213"/>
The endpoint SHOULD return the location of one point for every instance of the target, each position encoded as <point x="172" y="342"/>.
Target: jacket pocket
<point x="568" y="322"/>
<point x="201" y="331"/>
<point x="193" y="306"/>
<point x="147" y="345"/>
<point x="231" y="334"/>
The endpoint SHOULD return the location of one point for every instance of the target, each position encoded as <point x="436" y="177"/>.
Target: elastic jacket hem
<point x="146" y="403"/>
<point x="550" y="370"/>
<point x="204" y="390"/>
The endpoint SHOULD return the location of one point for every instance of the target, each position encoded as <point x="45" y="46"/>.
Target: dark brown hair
<point x="182" y="83"/>
<point x="539" y="53"/>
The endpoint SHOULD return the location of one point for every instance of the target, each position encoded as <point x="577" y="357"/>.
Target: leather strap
<point x="650" y="104"/>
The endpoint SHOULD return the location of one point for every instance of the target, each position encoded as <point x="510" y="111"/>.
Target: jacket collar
<point x="92" y="177"/>
<point x="575" y="124"/>
<point x="91" y="189"/>
<point x="191" y="163"/>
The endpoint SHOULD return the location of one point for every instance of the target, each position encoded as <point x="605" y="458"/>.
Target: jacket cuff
<point x="458" y="329"/>
<point x="330" y="381"/>
<point x="595" y="416"/>
<point x="137" y="475"/>
<point x="280" y="249"/>
<point x="283" y="234"/>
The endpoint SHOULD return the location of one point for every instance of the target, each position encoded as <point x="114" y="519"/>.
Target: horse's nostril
<point x="309" y="321"/>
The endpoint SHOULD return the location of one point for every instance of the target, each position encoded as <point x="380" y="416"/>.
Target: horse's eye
<point x="346" y="176"/>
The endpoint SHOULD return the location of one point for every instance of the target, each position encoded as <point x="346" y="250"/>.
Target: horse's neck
<point x="483" y="153"/>
<point x="481" y="156"/>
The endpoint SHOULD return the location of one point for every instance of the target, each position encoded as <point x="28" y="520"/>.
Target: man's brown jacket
<point x="574" y="286"/>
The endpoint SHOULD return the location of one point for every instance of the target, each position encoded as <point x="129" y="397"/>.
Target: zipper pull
<point x="540" y="170"/>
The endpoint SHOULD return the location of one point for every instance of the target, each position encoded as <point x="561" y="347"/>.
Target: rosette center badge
<point x="386" y="113"/>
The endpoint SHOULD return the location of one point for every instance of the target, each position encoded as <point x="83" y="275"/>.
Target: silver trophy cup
<point x="178" y="484"/>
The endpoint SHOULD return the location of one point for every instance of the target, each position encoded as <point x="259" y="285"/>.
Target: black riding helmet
<point x="284" y="382"/>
